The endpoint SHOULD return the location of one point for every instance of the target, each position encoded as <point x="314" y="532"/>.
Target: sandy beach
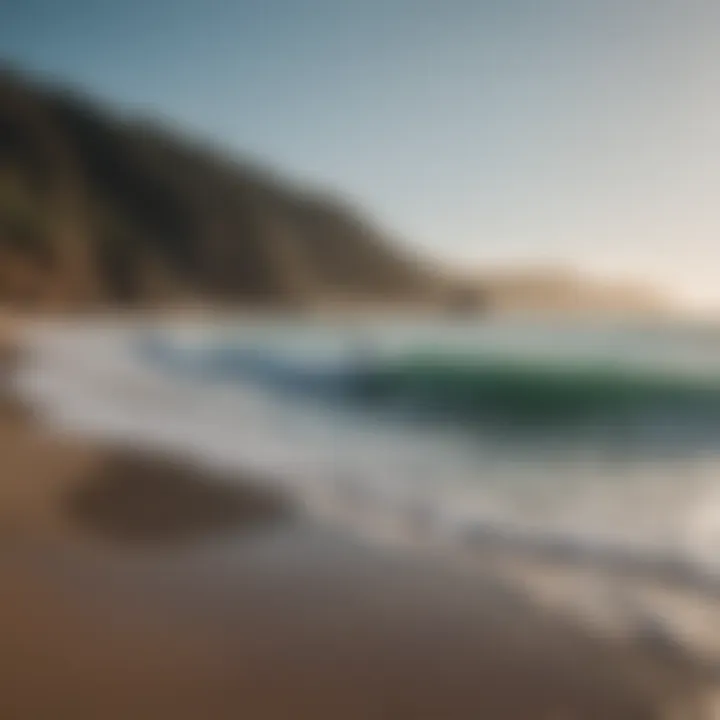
<point x="135" y="586"/>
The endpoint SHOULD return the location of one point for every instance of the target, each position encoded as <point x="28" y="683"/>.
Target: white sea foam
<point x="87" y="378"/>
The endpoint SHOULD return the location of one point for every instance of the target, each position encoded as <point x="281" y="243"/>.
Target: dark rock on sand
<point x="135" y="498"/>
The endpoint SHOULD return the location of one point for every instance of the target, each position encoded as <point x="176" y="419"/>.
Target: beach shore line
<point x="138" y="586"/>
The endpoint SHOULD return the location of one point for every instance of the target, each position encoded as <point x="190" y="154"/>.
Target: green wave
<point x="502" y="389"/>
<point x="531" y="390"/>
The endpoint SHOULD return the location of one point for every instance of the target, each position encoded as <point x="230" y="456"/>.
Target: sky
<point x="554" y="132"/>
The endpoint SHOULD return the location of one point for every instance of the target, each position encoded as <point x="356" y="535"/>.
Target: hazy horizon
<point x="574" y="133"/>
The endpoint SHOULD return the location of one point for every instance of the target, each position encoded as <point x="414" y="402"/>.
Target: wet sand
<point x="134" y="587"/>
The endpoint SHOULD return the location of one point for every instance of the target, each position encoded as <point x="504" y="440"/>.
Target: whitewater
<point x="572" y="501"/>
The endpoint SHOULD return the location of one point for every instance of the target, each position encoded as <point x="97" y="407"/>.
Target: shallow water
<point x="644" y="478"/>
<point x="640" y="491"/>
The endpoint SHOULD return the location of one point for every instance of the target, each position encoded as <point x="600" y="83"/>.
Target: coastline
<point x="142" y="587"/>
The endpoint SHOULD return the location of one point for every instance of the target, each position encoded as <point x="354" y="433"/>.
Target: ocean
<point x="592" y="443"/>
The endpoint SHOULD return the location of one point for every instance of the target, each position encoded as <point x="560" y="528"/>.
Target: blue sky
<point x="584" y="132"/>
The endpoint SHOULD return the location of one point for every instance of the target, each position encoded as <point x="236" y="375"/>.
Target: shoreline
<point x="141" y="587"/>
<point x="634" y="584"/>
